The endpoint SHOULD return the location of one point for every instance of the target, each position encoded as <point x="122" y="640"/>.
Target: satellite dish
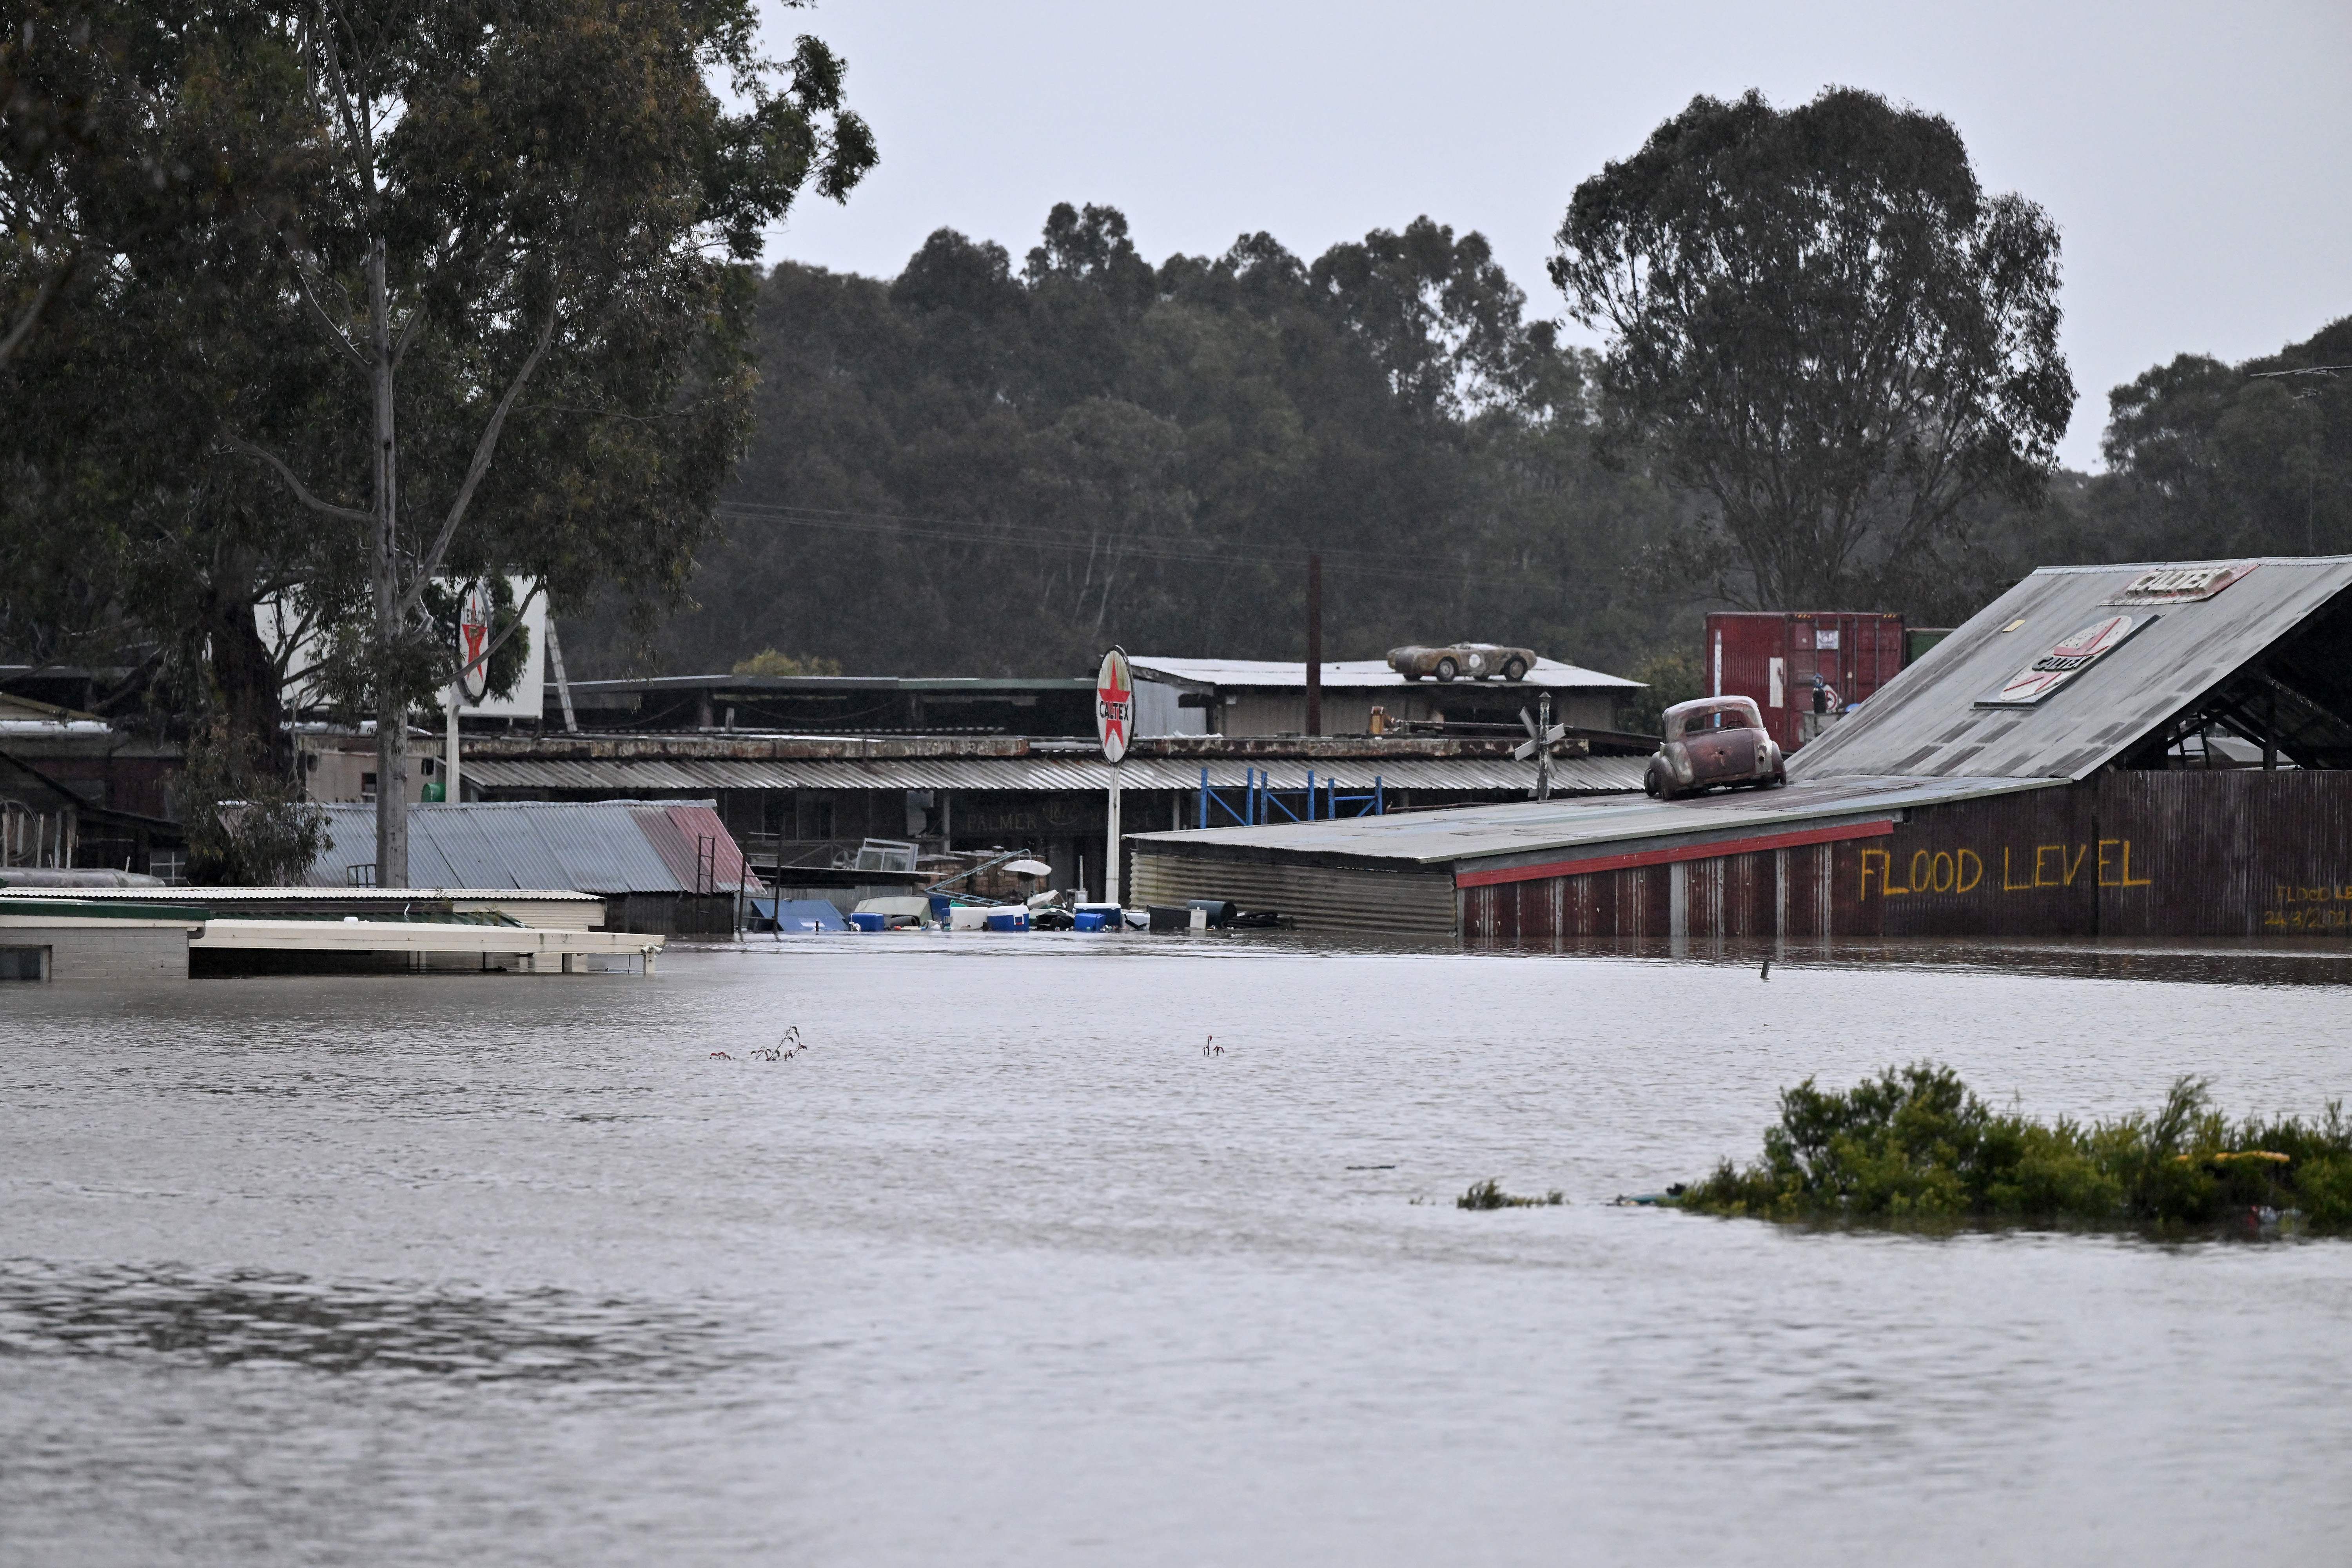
<point x="1030" y="869"/>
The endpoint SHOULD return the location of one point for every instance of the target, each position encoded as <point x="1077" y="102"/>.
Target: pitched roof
<point x="609" y="847"/>
<point x="1945" y="716"/>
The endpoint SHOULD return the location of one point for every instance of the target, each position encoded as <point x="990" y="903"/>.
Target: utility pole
<point x="1315" y="645"/>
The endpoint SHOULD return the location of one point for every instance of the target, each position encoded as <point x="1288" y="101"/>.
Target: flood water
<point x="1002" y="1268"/>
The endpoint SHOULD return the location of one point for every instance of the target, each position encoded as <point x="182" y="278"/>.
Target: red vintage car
<point x="1714" y="741"/>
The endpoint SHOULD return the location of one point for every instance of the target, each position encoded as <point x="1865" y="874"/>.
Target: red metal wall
<point x="1741" y="645"/>
<point x="2191" y="853"/>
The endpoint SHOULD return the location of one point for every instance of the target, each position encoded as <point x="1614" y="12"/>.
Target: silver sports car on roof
<point x="1476" y="659"/>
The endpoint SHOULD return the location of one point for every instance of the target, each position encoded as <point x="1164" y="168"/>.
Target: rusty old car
<point x="1477" y="660"/>
<point x="1712" y="742"/>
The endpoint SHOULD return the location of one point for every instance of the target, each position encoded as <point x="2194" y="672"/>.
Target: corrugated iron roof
<point x="1925" y="721"/>
<point x="598" y="846"/>
<point x="1570" y="775"/>
<point x="1354" y="674"/>
<point x="1499" y="834"/>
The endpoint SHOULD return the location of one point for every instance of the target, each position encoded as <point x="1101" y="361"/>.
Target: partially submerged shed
<point x="667" y="866"/>
<point x="2062" y="765"/>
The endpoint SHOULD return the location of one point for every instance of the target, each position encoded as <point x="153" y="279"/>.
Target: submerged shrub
<point x="1915" y="1144"/>
<point x="1489" y="1194"/>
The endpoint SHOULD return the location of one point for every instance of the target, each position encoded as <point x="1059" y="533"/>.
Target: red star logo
<point x="1115" y="707"/>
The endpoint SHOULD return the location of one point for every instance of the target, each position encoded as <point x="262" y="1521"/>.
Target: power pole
<point x="1315" y="645"/>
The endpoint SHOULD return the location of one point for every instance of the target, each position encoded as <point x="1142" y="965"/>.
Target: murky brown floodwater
<point x="1002" y="1270"/>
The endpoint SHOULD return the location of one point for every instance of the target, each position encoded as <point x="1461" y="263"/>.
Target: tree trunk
<point x="391" y="701"/>
<point x="247" y="680"/>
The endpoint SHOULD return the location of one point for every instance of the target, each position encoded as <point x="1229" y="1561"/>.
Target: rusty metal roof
<point x="1927" y="722"/>
<point x="1501" y="834"/>
<point x="598" y="846"/>
<point x="1570" y="775"/>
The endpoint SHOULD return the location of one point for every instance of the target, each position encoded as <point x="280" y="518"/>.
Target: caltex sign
<point x="2065" y="660"/>
<point x="1115" y="706"/>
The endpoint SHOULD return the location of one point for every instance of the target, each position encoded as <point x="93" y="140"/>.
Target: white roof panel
<point x="1355" y="674"/>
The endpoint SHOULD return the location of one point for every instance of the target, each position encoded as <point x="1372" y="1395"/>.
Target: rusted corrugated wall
<point x="2226" y="853"/>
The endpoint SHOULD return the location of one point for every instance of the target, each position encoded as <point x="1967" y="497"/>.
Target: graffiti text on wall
<point x="2104" y="863"/>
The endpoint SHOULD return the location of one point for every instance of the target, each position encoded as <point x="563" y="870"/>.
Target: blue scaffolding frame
<point x="1261" y="797"/>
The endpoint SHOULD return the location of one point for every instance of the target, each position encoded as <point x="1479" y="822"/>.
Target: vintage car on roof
<point x="1476" y="659"/>
<point x="1714" y="741"/>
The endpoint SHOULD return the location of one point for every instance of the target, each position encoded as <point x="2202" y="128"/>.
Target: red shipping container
<point x="1772" y="655"/>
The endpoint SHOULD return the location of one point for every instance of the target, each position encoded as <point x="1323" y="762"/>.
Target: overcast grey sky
<point x="2197" y="157"/>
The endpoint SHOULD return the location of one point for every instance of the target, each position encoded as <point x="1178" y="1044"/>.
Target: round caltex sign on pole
<point x="1115" y="706"/>
<point x="474" y="643"/>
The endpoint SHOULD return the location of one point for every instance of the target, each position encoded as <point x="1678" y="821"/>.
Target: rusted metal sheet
<point x="2235" y="852"/>
<point x="1773" y="656"/>
<point x="2221" y="853"/>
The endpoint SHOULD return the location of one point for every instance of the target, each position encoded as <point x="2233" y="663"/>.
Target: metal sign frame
<point x="474" y="618"/>
<point x="1115" y="706"/>
<point x="2064" y="660"/>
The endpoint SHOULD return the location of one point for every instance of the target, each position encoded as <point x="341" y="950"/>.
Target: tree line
<point x="1831" y="381"/>
<point x="320" y="304"/>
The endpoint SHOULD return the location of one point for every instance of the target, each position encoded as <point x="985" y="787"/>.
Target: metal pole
<point x="562" y="687"/>
<point x="450" y="790"/>
<point x="1314" y="647"/>
<point x="1205" y="798"/>
<point x="1110" y="865"/>
<point x="1543" y="746"/>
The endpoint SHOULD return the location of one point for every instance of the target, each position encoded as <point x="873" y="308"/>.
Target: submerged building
<point x="2104" y="751"/>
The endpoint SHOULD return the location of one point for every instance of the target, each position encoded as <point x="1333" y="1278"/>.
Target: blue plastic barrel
<point x="1093" y="920"/>
<point x="870" y="921"/>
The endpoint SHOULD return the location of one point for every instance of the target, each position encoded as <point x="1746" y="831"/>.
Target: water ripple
<point x="234" y="1316"/>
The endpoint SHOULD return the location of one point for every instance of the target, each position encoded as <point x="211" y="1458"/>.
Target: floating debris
<point x="1489" y="1194"/>
<point x="783" y="1050"/>
<point x="1670" y="1198"/>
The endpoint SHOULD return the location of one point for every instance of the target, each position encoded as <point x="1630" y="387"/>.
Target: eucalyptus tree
<point x="1819" y="320"/>
<point x="527" y="256"/>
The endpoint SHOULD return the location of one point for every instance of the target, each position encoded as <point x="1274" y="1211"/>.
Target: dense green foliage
<point x="975" y="468"/>
<point x="1915" y="1144"/>
<point x="1819" y="321"/>
<point x="1489" y="1194"/>
<point x="2214" y="459"/>
<point x="303" y="301"/>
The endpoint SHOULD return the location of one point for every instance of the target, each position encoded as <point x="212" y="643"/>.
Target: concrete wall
<point x="108" y="952"/>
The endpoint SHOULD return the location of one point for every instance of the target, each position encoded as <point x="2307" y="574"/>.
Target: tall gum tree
<point x="538" y="215"/>
<point x="1819" y="321"/>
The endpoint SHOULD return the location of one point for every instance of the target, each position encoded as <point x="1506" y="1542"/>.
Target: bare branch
<point x="408" y="330"/>
<point x="335" y="334"/>
<point x="430" y="562"/>
<point x="301" y="492"/>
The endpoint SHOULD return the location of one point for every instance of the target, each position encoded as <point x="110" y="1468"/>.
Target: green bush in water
<point x="1917" y="1144"/>
<point x="1489" y="1194"/>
